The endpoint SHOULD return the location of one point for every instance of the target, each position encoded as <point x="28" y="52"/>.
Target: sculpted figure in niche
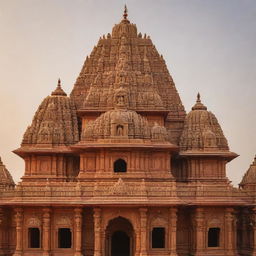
<point x="119" y="130"/>
<point x="120" y="99"/>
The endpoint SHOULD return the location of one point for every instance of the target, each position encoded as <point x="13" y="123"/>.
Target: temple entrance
<point x="120" y="244"/>
<point x="119" y="238"/>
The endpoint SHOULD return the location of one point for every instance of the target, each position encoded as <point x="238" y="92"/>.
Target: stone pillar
<point x="2" y="232"/>
<point x="230" y="243"/>
<point x="172" y="230"/>
<point x="137" y="242"/>
<point x="78" y="231"/>
<point x="254" y="231"/>
<point x="46" y="244"/>
<point x="19" y="229"/>
<point x="143" y="231"/>
<point x="199" y="232"/>
<point x="244" y="236"/>
<point x="97" y="232"/>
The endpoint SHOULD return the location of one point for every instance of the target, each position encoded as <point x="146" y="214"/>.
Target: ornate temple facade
<point x="118" y="168"/>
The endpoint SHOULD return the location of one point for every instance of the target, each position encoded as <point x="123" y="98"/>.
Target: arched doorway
<point x="119" y="238"/>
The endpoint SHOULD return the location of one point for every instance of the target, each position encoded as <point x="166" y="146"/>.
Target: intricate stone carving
<point x="64" y="220"/>
<point x="6" y="180"/>
<point x="202" y="130"/>
<point x="249" y="178"/>
<point x="55" y="121"/>
<point x="123" y="123"/>
<point x="34" y="221"/>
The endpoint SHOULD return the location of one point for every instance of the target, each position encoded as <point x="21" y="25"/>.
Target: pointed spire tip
<point x="198" y="97"/>
<point x="125" y="12"/>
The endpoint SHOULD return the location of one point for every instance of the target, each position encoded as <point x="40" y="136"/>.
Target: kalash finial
<point x="199" y="105"/>
<point x="125" y="12"/>
<point x="59" y="91"/>
<point x="198" y="98"/>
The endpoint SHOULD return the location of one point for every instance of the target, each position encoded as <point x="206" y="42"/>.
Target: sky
<point x="208" y="46"/>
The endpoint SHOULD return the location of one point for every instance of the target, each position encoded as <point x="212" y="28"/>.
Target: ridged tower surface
<point x="129" y="60"/>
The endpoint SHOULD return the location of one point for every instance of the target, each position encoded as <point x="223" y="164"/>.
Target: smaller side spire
<point x="59" y="91"/>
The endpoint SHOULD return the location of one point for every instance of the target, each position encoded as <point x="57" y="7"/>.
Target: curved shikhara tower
<point x="117" y="168"/>
<point x="127" y="59"/>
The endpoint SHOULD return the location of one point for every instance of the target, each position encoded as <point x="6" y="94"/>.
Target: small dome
<point x="249" y="177"/>
<point x="55" y="121"/>
<point x="122" y="124"/>
<point x="5" y="177"/>
<point x="202" y="130"/>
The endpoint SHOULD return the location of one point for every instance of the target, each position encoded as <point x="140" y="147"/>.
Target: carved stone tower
<point x="119" y="169"/>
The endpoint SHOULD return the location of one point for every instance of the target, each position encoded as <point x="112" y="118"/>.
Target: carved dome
<point x="5" y="177"/>
<point x="122" y="124"/>
<point x="202" y="130"/>
<point x="54" y="123"/>
<point x="249" y="177"/>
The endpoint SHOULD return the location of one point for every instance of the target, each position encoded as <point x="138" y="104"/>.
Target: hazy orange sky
<point x="208" y="45"/>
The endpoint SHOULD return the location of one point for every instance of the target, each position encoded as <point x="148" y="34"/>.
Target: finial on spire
<point x="125" y="12"/>
<point x="199" y="105"/>
<point x="59" y="91"/>
<point x="198" y="97"/>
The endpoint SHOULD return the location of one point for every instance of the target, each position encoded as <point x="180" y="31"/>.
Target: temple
<point x="118" y="168"/>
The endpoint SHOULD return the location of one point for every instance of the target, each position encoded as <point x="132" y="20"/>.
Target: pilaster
<point x="172" y="230"/>
<point x="143" y="231"/>
<point x="199" y="231"/>
<point x="19" y="229"/>
<point x="46" y="246"/>
<point x="78" y="231"/>
<point x="254" y="231"/>
<point x="97" y="232"/>
<point x="230" y="234"/>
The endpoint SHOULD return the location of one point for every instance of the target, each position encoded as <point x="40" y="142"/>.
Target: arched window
<point x="33" y="238"/>
<point x="158" y="237"/>
<point x="214" y="237"/>
<point x="120" y="166"/>
<point x="65" y="238"/>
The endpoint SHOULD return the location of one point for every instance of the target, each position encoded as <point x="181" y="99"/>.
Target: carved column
<point x="97" y="232"/>
<point x="19" y="229"/>
<point x="2" y="232"/>
<point x="46" y="231"/>
<point x="199" y="231"/>
<point x="143" y="231"/>
<point x="254" y="231"/>
<point x="230" y="247"/>
<point x="137" y="242"/>
<point x="78" y="231"/>
<point x="244" y="236"/>
<point x="172" y="230"/>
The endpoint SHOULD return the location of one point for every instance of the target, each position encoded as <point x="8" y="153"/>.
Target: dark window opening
<point x="65" y="238"/>
<point x="33" y="238"/>
<point x="214" y="237"/>
<point x="158" y="238"/>
<point x="120" y="244"/>
<point x="120" y="166"/>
